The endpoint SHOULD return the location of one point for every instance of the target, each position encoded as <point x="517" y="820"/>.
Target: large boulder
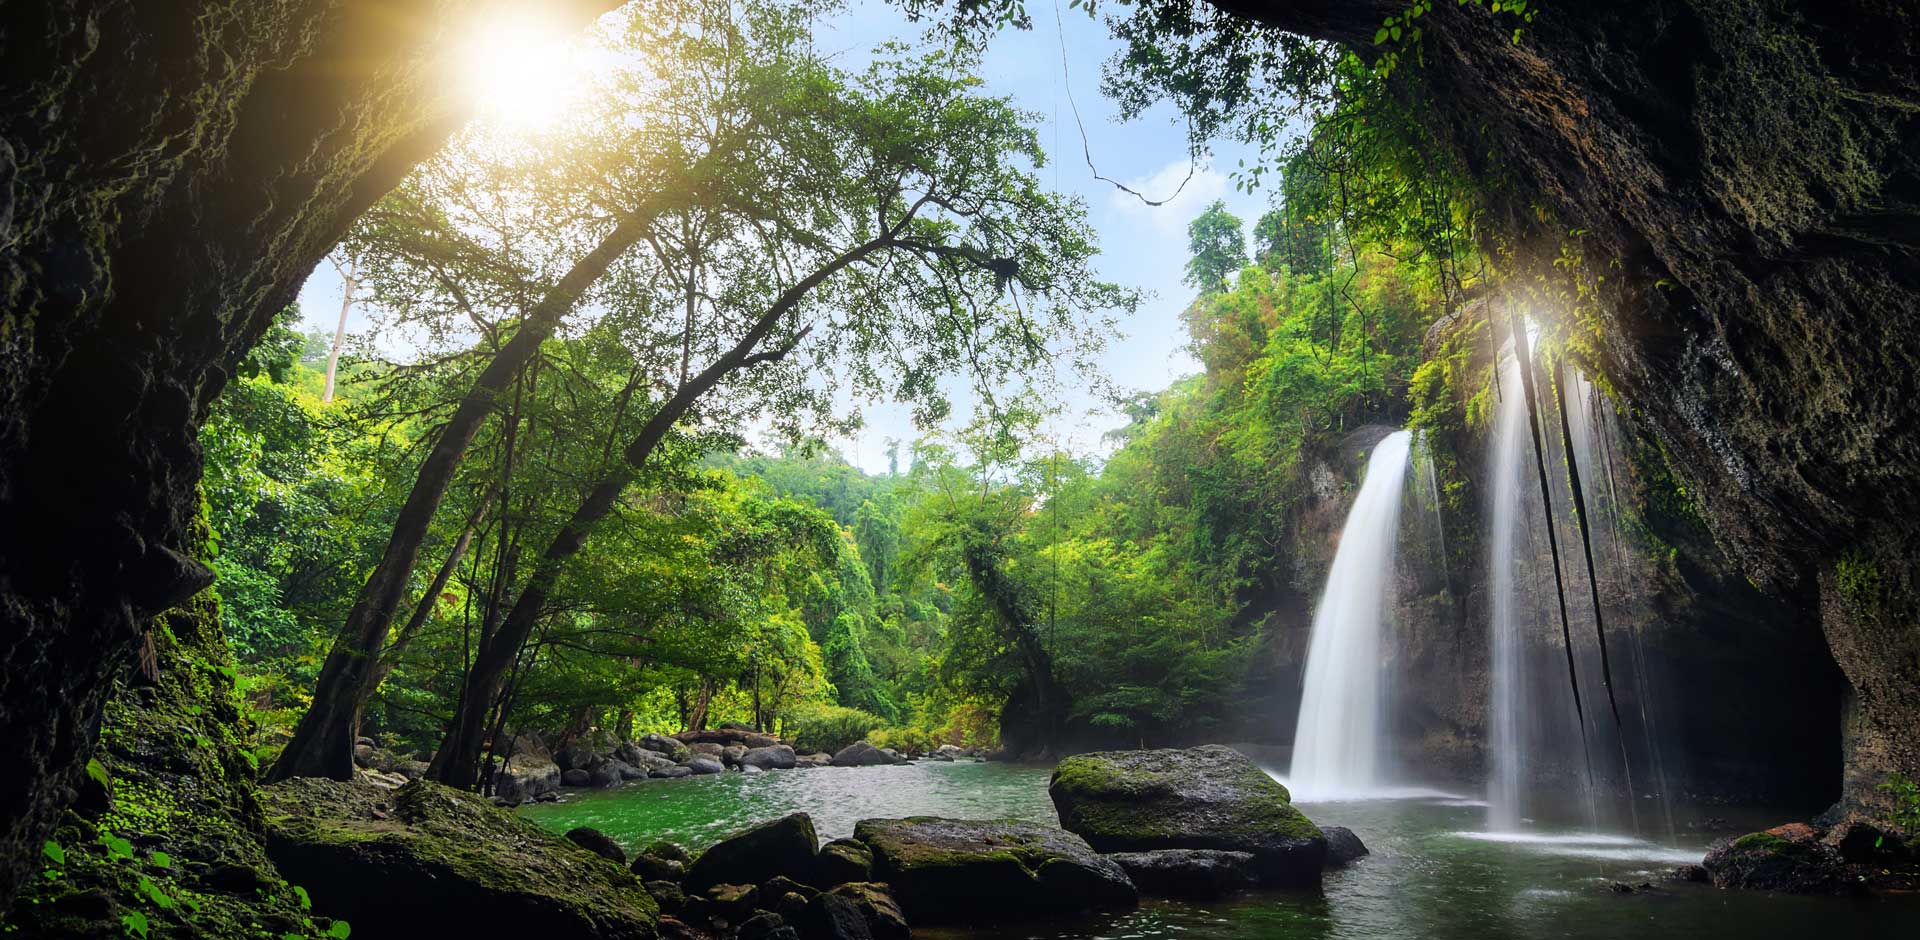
<point x="671" y="773"/>
<point x="843" y="861"/>
<point x="786" y="846"/>
<point x="576" y="778"/>
<point x="862" y="754"/>
<point x="771" y="757"/>
<point x="525" y="779"/>
<point x="1343" y="847"/>
<point x="427" y="860"/>
<point x="1209" y="797"/>
<point x="878" y="910"/>
<point x="669" y="748"/>
<point x="951" y="870"/>
<point x="1789" y="858"/>
<point x="597" y="842"/>
<point x="706" y="765"/>
<point x="1189" y="873"/>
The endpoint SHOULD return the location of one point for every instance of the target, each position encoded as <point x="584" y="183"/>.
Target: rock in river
<point x="862" y="754"/>
<point x="1789" y="858"/>
<point x="785" y="846"/>
<point x="1189" y="873"/>
<point x="966" y="871"/>
<point x="1209" y="797"/>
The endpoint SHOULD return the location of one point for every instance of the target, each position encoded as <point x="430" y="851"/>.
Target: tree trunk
<point x="322" y="744"/>
<point x="347" y="286"/>
<point x="423" y="610"/>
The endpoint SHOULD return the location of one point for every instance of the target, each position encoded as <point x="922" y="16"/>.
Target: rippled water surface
<point x="1435" y="870"/>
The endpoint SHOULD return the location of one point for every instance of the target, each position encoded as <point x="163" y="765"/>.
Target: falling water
<point x="1338" y="741"/>
<point x="1506" y="731"/>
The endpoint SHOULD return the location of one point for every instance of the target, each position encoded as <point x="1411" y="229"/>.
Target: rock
<point x="942" y="869"/>
<point x="813" y="760"/>
<point x="630" y="772"/>
<point x="877" y="908"/>
<point x="785" y="846"/>
<point x="663" y="848"/>
<point x="597" y="842"/>
<point x="648" y="761"/>
<point x="732" y="903"/>
<point x="771" y="757"/>
<point x="667" y="894"/>
<point x="444" y="862"/>
<point x="610" y="773"/>
<point x="832" y="917"/>
<point x="1861" y="842"/>
<point x="735" y="726"/>
<point x="948" y="752"/>
<point x="750" y="770"/>
<point x="664" y="746"/>
<point x="576" y="778"/>
<point x="731" y="754"/>
<point x="1189" y="873"/>
<point x="415" y="769"/>
<point x="706" y="765"/>
<point x="780" y="885"/>
<point x="1789" y="858"/>
<point x="1695" y="874"/>
<point x="707" y="749"/>
<point x="671" y="773"/>
<point x="842" y="861"/>
<point x="362" y="755"/>
<point x="523" y="779"/>
<point x="575" y="757"/>
<point x="363" y="741"/>
<point x="1343" y="847"/>
<point x="861" y="754"/>
<point x="651" y="868"/>
<point x="767" y="926"/>
<point x="756" y="740"/>
<point x="1209" y="797"/>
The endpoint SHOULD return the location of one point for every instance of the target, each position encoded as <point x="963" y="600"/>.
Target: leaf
<point x="306" y="903"/>
<point x="1395" y="32"/>
<point x="1380" y="36"/>
<point x="161" y="859"/>
<point x="97" y="771"/>
<point x="136" y="924"/>
<point x="116" y="846"/>
<point x="54" y="852"/>
<point x="340" y="930"/>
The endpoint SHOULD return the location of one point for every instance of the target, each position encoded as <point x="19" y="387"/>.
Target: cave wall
<point x="169" y="174"/>
<point x="1742" y="179"/>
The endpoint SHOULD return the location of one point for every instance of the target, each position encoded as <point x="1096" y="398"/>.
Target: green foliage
<point x="1217" y="247"/>
<point x="828" y="728"/>
<point x="1906" y="803"/>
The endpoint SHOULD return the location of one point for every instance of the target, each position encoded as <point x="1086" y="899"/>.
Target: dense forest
<point x="1542" y="481"/>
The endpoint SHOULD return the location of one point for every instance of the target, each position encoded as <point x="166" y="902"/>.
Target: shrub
<point x="828" y="728"/>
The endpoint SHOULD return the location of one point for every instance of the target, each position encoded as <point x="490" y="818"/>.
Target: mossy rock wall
<point x="165" y="838"/>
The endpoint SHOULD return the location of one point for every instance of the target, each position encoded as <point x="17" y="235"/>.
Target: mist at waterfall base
<point x="1338" y="744"/>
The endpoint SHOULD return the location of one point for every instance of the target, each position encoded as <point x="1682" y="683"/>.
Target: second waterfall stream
<point x="1337" y="747"/>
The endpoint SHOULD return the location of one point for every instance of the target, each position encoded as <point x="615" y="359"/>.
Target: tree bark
<point x="390" y="659"/>
<point x="322" y="744"/>
<point x="347" y="286"/>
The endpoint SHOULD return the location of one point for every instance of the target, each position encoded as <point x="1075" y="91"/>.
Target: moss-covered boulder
<point x="1789" y="858"/>
<point x="427" y="860"/>
<point x="842" y="861"/>
<point x="786" y="846"/>
<point x="951" y="870"/>
<point x="1209" y="797"/>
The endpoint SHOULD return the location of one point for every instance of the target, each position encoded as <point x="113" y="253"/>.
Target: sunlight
<point x="522" y="70"/>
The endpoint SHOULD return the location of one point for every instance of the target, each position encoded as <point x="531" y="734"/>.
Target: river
<point x="1435" y="871"/>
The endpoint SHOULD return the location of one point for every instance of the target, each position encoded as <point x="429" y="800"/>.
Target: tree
<point x="1218" y="248"/>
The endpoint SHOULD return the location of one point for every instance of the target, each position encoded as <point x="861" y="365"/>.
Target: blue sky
<point x="1141" y="246"/>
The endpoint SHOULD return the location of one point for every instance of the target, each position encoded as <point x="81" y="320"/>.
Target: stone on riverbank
<point x="862" y="754"/>
<point x="597" y="842"/>
<point x="428" y="860"/>
<point x="1209" y="797"/>
<point x="950" y="870"/>
<point x="842" y="861"/>
<point x="1789" y="858"/>
<point x="771" y="757"/>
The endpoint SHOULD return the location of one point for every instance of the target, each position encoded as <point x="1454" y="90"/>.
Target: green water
<point x="1434" y="871"/>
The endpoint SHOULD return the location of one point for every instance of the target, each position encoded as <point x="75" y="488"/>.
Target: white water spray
<point x="1503" y="785"/>
<point x="1337" y="745"/>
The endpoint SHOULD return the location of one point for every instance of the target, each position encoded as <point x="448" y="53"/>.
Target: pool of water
<point x="1435" y="870"/>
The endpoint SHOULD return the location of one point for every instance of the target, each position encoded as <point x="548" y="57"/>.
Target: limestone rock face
<point x="786" y="846"/>
<point x="428" y="860"/>
<point x="951" y="870"/>
<point x="1208" y="797"/>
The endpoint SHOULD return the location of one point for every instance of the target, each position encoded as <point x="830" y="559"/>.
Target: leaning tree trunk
<point x="322" y="744"/>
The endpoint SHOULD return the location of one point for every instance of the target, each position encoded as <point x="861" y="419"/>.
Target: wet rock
<point x="1862" y="843"/>
<point x="706" y="765"/>
<point x="767" y="926"/>
<point x="575" y="757"/>
<point x="1692" y="874"/>
<point x="523" y="779"/>
<point x="654" y="868"/>
<point x="731" y="754"/>
<point x="576" y="778"/>
<point x="862" y="754"/>
<point x="671" y="773"/>
<point x="664" y="746"/>
<point x="780" y="885"/>
<point x="831" y="917"/>
<point x="732" y="903"/>
<point x="882" y="914"/>
<point x="1209" y="797"/>
<point x="750" y="770"/>
<point x="1189" y="873"/>
<point x="444" y="862"/>
<point x="785" y="846"/>
<point x="771" y="757"/>
<point x="813" y="760"/>
<point x="942" y="869"/>
<point x="947" y="752"/>
<point x="597" y="842"/>
<point x="1789" y="858"/>
<point x="668" y="895"/>
<point x="1343" y="847"/>
<point x="611" y="773"/>
<point x="842" y="861"/>
<point x="707" y="749"/>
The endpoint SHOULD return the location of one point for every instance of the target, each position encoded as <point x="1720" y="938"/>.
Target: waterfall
<point x="1337" y="744"/>
<point x="1505" y="731"/>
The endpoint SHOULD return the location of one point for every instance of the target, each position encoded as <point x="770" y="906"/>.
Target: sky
<point x="1142" y="246"/>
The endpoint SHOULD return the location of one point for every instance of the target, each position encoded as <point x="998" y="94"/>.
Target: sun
<point x="521" y="70"/>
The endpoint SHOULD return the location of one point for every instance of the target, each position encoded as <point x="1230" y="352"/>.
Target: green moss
<point x="1762" y="842"/>
<point x="1858" y="577"/>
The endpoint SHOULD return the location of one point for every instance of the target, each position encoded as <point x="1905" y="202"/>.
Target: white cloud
<point x="1169" y="220"/>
